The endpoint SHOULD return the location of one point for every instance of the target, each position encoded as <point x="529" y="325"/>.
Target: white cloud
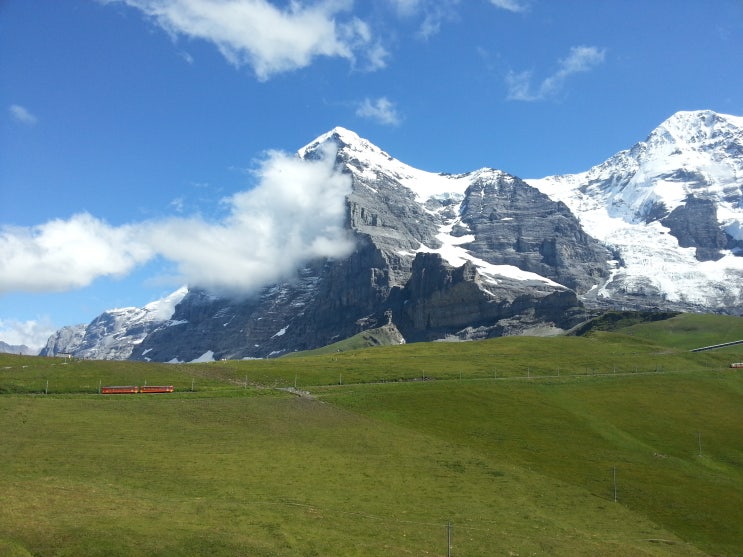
<point x="22" y="115"/>
<point x="295" y="213"/>
<point x="519" y="86"/>
<point x="269" y="39"/>
<point x="177" y="204"/>
<point x="511" y="5"/>
<point x="406" y="8"/>
<point x="581" y="59"/>
<point x="381" y="110"/>
<point x="431" y="12"/>
<point x="32" y="334"/>
<point x="186" y="57"/>
<point x="65" y="254"/>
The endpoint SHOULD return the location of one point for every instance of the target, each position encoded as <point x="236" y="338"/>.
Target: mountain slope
<point x="113" y="334"/>
<point x="672" y="208"/>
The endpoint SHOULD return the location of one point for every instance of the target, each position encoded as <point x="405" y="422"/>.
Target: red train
<point x="156" y="389"/>
<point x="737" y="364"/>
<point x="134" y="389"/>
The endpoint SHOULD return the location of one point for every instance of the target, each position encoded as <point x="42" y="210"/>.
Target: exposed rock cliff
<point x="694" y="224"/>
<point x="407" y="223"/>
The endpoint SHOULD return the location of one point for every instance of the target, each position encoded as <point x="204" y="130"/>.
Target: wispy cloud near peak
<point x="381" y="110"/>
<point x="580" y="59"/>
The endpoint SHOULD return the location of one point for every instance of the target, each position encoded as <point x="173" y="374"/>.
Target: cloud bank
<point x="295" y="213"/>
<point x="32" y="334"/>
<point x="581" y="59"/>
<point x="269" y="39"/>
<point x="63" y="255"/>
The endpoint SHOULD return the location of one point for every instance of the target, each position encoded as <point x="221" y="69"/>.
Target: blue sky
<point x="132" y="132"/>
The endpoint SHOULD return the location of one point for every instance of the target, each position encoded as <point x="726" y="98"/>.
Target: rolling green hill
<point x="613" y="443"/>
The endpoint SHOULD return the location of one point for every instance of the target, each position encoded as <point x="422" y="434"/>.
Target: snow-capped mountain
<point x="480" y="254"/>
<point x="113" y="334"/>
<point x="437" y="256"/>
<point x="450" y="206"/>
<point x="672" y="209"/>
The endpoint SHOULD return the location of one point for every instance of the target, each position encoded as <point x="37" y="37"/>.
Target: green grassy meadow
<point x="615" y="443"/>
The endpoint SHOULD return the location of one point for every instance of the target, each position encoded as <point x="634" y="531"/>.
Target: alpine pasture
<point x="619" y="442"/>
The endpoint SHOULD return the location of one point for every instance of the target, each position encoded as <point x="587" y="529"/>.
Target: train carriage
<point x="156" y="389"/>
<point x="120" y="390"/>
<point x="134" y="389"/>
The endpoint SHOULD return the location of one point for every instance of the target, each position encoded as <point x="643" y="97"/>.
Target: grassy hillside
<point x="32" y="374"/>
<point x="579" y="431"/>
<point x="387" y="335"/>
<point x="597" y="353"/>
<point x="615" y="320"/>
<point x="377" y="461"/>
<point x="689" y="331"/>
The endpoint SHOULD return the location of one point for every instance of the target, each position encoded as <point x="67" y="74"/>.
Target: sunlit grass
<point x="515" y="442"/>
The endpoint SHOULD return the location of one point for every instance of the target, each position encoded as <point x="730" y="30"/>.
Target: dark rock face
<point x="695" y="225"/>
<point x="440" y="301"/>
<point x="515" y="224"/>
<point x="324" y="303"/>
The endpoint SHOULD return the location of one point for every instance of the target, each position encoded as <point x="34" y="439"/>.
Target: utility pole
<point x="615" y="483"/>
<point x="448" y="539"/>
<point x="699" y="440"/>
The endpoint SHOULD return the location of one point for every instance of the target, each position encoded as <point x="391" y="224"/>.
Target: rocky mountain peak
<point x="699" y="129"/>
<point x="349" y="143"/>
<point x="675" y="198"/>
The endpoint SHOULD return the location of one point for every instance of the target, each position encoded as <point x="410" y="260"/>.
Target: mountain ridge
<point x="484" y="253"/>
